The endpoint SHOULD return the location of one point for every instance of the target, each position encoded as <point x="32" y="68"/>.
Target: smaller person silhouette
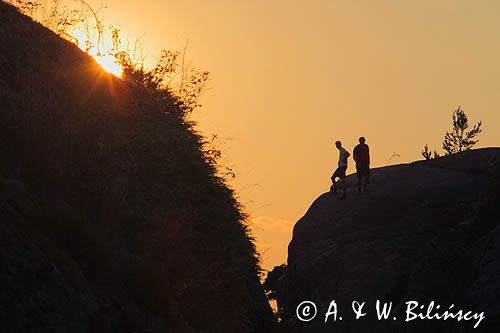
<point x="341" y="170"/>
<point x="361" y="154"/>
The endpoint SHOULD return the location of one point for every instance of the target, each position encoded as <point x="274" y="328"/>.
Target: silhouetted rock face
<point x="35" y="296"/>
<point x="130" y="228"/>
<point x="368" y="247"/>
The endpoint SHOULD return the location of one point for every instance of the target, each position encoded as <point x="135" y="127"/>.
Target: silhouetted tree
<point x="426" y="152"/>
<point x="459" y="139"/>
<point x="428" y="155"/>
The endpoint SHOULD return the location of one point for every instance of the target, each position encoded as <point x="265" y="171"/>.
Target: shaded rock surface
<point x="36" y="296"/>
<point x="130" y="228"/>
<point x="371" y="247"/>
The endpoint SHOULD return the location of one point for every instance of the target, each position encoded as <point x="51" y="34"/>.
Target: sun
<point x="100" y="55"/>
<point x="109" y="64"/>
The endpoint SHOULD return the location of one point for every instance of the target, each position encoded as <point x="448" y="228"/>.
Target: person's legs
<point x="367" y="178"/>
<point x="342" y="171"/>
<point x="333" y="188"/>
<point x="339" y="173"/>
<point x="359" y="174"/>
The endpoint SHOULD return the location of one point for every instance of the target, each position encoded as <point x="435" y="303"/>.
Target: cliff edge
<point x="426" y="231"/>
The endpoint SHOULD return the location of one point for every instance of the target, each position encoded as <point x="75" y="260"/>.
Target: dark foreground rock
<point x="35" y="295"/>
<point x="125" y="224"/>
<point x="425" y="232"/>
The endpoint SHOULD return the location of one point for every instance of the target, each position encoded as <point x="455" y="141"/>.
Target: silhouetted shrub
<point x="460" y="139"/>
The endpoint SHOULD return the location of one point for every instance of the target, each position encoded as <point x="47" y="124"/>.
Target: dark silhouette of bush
<point x="459" y="139"/>
<point x="427" y="154"/>
<point x="146" y="215"/>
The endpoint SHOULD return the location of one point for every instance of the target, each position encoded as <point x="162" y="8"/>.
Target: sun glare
<point x="108" y="63"/>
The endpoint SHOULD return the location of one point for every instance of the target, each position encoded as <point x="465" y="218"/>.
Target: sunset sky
<point x="290" y="77"/>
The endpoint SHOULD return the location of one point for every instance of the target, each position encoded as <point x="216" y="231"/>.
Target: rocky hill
<point x="112" y="216"/>
<point x="426" y="231"/>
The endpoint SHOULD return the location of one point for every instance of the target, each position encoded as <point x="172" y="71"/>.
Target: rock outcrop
<point x="35" y="295"/>
<point x="417" y="235"/>
<point x="130" y="228"/>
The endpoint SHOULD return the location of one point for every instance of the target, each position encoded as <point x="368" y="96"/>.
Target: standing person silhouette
<point x="361" y="154"/>
<point x="341" y="170"/>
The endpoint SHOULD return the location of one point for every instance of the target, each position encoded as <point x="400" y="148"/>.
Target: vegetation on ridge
<point x="117" y="163"/>
<point x="459" y="139"/>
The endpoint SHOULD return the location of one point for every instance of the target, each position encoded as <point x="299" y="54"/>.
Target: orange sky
<point x="290" y="77"/>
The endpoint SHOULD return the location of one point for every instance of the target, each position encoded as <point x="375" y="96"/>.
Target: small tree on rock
<point x="460" y="139"/>
<point x="426" y="152"/>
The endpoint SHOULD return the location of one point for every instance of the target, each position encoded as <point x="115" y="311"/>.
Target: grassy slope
<point x="106" y="166"/>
